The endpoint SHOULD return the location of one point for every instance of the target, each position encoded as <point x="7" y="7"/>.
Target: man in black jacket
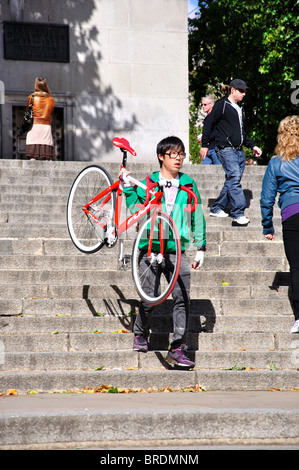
<point x="229" y="119"/>
<point x="211" y="158"/>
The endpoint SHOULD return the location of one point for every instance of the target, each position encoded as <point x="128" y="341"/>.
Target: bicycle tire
<point x="164" y="273"/>
<point x="87" y="231"/>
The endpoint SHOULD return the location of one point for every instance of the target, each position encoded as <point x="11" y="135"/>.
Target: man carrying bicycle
<point x="171" y="154"/>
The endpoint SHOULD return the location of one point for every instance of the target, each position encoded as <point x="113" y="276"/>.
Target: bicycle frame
<point x="157" y="236"/>
<point x="150" y="205"/>
<point x="132" y="219"/>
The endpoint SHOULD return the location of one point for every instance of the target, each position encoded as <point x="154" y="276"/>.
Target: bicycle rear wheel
<point x="156" y="273"/>
<point x="87" y="226"/>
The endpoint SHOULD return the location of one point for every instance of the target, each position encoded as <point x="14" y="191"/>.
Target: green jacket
<point x="190" y="225"/>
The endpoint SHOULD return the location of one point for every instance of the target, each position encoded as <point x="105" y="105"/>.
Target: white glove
<point x="199" y="259"/>
<point x="123" y="175"/>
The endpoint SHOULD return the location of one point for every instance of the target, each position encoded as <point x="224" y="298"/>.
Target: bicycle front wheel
<point x="87" y="226"/>
<point x="155" y="271"/>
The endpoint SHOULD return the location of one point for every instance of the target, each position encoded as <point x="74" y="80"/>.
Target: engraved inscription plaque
<point x="36" y="41"/>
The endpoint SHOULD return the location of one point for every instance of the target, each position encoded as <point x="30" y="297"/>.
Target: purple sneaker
<point x="177" y="357"/>
<point x="140" y="343"/>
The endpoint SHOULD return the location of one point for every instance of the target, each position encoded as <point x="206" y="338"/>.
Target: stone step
<point x="207" y="185"/>
<point x="42" y="205"/>
<point x="65" y="324"/>
<point x="122" y="278"/>
<point x="259" y="420"/>
<point x="59" y="220"/>
<point x="39" y="195"/>
<point x="71" y="262"/>
<point x="58" y="360"/>
<point x="208" y="190"/>
<point x="74" y="168"/>
<point x="122" y="339"/>
<point x="225" y="380"/>
<point x="12" y="167"/>
<point x="127" y="305"/>
<point x="59" y="230"/>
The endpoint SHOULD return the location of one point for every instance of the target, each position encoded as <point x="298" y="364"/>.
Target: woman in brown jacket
<point x="39" y="140"/>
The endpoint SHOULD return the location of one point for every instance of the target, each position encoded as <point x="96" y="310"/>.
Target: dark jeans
<point x="290" y="232"/>
<point x="233" y="163"/>
<point x="181" y="306"/>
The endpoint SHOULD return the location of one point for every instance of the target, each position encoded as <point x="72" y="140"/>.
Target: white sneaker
<point x="242" y="220"/>
<point x="295" y="327"/>
<point x="220" y="213"/>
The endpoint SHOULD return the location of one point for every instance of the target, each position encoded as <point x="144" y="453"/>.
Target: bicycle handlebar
<point x="193" y="195"/>
<point x="168" y="184"/>
<point x="124" y="146"/>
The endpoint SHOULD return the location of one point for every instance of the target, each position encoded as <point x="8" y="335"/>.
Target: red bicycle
<point x="93" y="220"/>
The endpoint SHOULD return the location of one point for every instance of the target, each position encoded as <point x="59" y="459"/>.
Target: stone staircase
<point x="66" y="318"/>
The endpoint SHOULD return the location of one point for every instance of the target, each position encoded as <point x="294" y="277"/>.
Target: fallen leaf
<point x="11" y="391"/>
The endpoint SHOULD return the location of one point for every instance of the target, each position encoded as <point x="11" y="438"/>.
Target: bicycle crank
<point x="111" y="235"/>
<point x="156" y="257"/>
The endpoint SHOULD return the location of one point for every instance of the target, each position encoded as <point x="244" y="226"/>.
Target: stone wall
<point x="127" y="74"/>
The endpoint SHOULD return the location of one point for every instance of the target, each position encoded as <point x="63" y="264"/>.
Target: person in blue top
<point x="282" y="176"/>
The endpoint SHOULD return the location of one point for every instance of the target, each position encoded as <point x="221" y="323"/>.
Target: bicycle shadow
<point x="202" y="319"/>
<point x="114" y="307"/>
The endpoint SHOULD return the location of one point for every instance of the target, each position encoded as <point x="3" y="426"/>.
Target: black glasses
<point x="173" y="154"/>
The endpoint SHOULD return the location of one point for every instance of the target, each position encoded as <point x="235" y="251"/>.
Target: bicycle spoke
<point x="87" y="225"/>
<point x="155" y="271"/>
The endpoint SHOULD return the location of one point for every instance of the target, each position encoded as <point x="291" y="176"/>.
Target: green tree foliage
<point x="255" y="41"/>
<point x="194" y="131"/>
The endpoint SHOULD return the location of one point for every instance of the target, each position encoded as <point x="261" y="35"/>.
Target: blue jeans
<point x="211" y="158"/>
<point x="233" y="163"/>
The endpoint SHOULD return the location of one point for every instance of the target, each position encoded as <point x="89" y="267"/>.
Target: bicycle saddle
<point x="123" y="144"/>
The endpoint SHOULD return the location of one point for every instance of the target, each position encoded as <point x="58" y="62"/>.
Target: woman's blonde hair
<point x="288" y="138"/>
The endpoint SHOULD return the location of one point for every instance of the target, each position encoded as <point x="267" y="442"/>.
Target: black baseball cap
<point x="238" y="83"/>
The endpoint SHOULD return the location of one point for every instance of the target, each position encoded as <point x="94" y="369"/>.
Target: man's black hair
<point x="169" y="143"/>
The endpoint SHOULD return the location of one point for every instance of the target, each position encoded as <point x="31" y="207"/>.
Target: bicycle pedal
<point x="111" y="236"/>
<point x="156" y="257"/>
<point x="125" y="262"/>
